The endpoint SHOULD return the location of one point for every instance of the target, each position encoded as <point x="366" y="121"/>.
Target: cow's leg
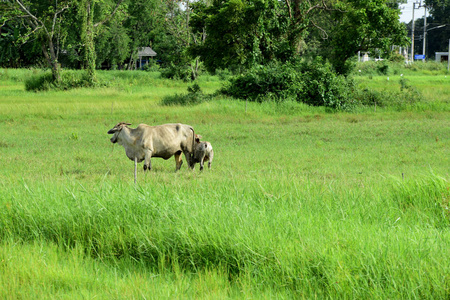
<point x="135" y="170"/>
<point x="147" y="162"/>
<point x="178" y="160"/>
<point x="189" y="158"/>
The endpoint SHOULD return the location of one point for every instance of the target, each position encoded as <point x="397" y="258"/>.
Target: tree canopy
<point x="233" y="34"/>
<point x="439" y="25"/>
<point x="245" y="32"/>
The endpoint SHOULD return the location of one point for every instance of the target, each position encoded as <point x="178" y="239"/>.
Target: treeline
<point x="190" y="36"/>
<point x="437" y="28"/>
<point x="277" y="50"/>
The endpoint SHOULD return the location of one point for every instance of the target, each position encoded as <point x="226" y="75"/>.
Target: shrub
<point x="312" y="82"/>
<point x="323" y="87"/>
<point x="39" y="82"/>
<point x="275" y="81"/>
<point x="151" y="66"/>
<point x="382" y="68"/>
<point x="369" y="97"/>
<point x="194" y="96"/>
<point x="401" y="99"/>
<point x="223" y="74"/>
<point x="69" y="80"/>
<point x="177" y="72"/>
<point x="426" y="66"/>
<point x="396" y="57"/>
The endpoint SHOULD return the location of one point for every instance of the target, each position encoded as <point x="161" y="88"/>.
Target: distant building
<point x="144" y="55"/>
<point x="363" y="57"/>
<point x="441" y="56"/>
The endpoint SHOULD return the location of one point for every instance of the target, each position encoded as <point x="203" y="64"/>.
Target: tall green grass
<point x="300" y="203"/>
<point x="299" y="238"/>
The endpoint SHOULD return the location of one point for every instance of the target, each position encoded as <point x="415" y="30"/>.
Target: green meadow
<point x="301" y="202"/>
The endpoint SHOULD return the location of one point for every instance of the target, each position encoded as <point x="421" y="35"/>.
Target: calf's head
<point x="116" y="131"/>
<point x="197" y="138"/>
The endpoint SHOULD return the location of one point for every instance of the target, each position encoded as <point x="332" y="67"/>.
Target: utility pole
<point x="412" y="31"/>
<point x="424" y="32"/>
<point x="448" y="56"/>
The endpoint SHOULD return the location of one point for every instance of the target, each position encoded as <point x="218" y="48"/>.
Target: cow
<point x="144" y="142"/>
<point x="203" y="152"/>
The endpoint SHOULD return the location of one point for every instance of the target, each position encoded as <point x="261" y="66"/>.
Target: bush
<point x="323" y="87"/>
<point x="396" y="57"/>
<point x="401" y="99"/>
<point x="151" y="66"/>
<point x="393" y="67"/>
<point x="275" y="80"/>
<point x="223" y="74"/>
<point x="39" y="82"/>
<point x="177" y="72"/>
<point x="382" y="68"/>
<point x="313" y="83"/>
<point x="427" y="66"/>
<point x="194" y="96"/>
<point x="69" y="80"/>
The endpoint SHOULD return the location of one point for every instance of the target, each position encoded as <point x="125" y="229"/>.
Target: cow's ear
<point x="114" y="130"/>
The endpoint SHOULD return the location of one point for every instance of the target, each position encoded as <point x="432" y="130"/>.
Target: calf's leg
<point x="211" y="156"/>
<point x="202" y="161"/>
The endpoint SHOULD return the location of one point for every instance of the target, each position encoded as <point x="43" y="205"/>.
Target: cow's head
<point x="116" y="131"/>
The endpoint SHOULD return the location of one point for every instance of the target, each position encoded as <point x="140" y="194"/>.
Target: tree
<point x="239" y="33"/>
<point x="42" y="20"/>
<point x="301" y="16"/>
<point x="437" y="39"/>
<point x="14" y="54"/>
<point x="112" y="45"/>
<point x="46" y="21"/>
<point x="86" y="12"/>
<point x="143" y="26"/>
<point x="178" y="37"/>
<point x="361" y="25"/>
<point x="248" y="32"/>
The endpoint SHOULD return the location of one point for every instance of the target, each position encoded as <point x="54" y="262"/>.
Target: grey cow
<point x="144" y="142"/>
<point x="203" y="152"/>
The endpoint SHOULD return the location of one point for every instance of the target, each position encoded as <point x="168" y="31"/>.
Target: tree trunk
<point x="194" y="69"/>
<point x="52" y="60"/>
<point x="90" y="47"/>
<point x="87" y="37"/>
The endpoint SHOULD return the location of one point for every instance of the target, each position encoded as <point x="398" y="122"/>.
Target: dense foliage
<point x="313" y="83"/>
<point x="233" y="34"/>
<point x="437" y="29"/>
<point x="261" y="42"/>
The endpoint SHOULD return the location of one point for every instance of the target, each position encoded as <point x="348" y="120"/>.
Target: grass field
<point x="300" y="202"/>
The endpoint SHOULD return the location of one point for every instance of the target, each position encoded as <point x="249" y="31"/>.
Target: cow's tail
<point x="191" y="162"/>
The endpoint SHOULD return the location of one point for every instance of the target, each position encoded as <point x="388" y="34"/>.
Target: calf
<point x="203" y="152"/>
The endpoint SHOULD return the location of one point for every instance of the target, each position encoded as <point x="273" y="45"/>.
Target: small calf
<point x="203" y="152"/>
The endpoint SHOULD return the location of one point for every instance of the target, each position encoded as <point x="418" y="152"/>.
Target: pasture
<point x="300" y="202"/>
